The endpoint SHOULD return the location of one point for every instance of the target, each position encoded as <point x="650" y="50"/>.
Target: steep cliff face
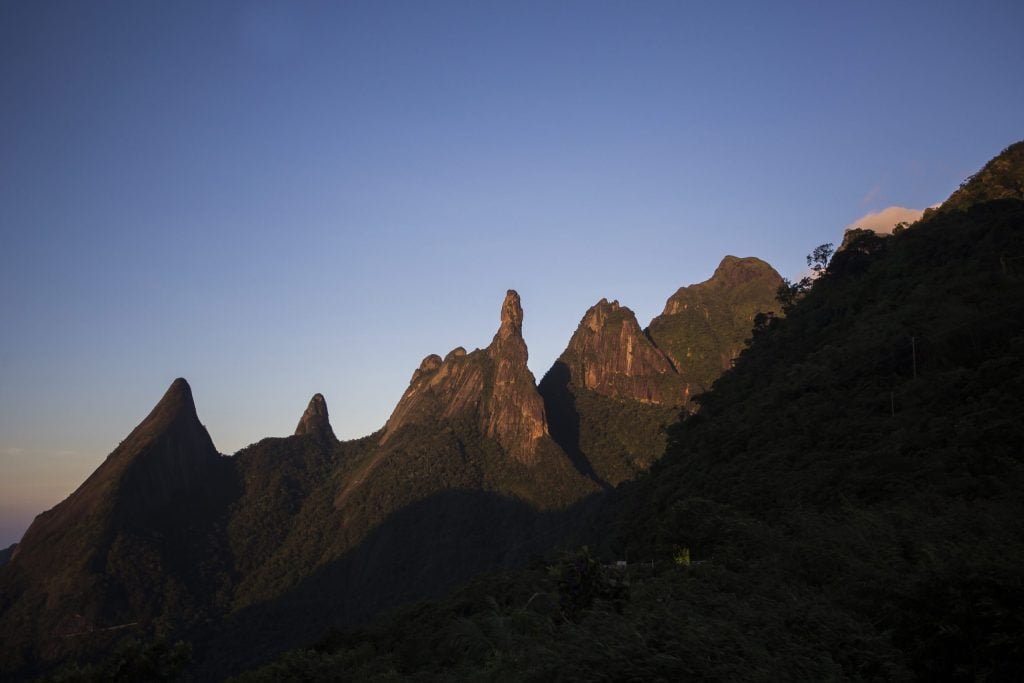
<point x="613" y="390"/>
<point x="514" y="413"/>
<point x="609" y="394"/>
<point x="493" y="387"/>
<point x="610" y="355"/>
<point x="704" y="326"/>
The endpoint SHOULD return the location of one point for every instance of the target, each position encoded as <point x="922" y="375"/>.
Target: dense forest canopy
<point x="846" y="504"/>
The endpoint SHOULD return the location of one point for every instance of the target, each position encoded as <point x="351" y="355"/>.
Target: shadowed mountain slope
<point x="140" y="541"/>
<point x="846" y="505"/>
<point x="610" y="394"/>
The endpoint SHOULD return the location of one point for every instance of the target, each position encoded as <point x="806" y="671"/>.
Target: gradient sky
<point x="273" y="199"/>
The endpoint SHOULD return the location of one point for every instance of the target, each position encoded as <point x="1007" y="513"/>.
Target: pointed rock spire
<point x="494" y="383"/>
<point x="514" y="410"/>
<point x="511" y="316"/>
<point x="169" y="456"/>
<point x="315" y="421"/>
<point x="176" y="403"/>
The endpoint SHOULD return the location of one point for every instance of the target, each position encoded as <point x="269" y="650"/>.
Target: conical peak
<point x="180" y="384"/>
<point x="175" y="404"/>
<point x="179" y="392"/>
<point x="315" y="420"/>
<point x="511" y="315"/>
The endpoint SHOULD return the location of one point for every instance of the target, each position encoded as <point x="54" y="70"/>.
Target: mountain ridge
<point x="845" y="505"/>
<point x="223" y="536"/>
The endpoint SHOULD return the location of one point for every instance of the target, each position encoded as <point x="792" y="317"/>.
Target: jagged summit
<point x="511" y="316"/>
<point x="315" y="421"/>
<point x="457" y="352"/>
<point x="610" y="354"/>
<point x="494" y="383"/>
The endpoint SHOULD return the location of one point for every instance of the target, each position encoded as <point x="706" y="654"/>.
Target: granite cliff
<point x="492" y="386"/>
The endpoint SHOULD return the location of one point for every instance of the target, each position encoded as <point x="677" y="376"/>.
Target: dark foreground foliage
<point x="847" y="504"/>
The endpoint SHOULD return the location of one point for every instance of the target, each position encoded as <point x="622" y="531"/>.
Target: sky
<point x="274" y="199"/>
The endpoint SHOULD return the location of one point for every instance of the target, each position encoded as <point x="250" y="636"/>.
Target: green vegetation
<point x="621" y="438"/>
<point x="705" y="326"/>
<point x="846" y="504"/>
<point x="1001" y="178"/>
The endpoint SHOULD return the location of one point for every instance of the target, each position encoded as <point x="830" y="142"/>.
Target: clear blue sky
<point x="274" y="199"/>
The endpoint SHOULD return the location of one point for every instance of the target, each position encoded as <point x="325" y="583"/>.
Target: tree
<point x="819" y="258"/>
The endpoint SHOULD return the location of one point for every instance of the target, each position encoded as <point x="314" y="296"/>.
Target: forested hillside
<point x="845" y="505"/>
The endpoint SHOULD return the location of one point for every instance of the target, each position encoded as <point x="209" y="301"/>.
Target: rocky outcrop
<point x="610" y="355"/>
<point x="514" y="411"/>
<point x="609" y="395"/>
<point x="705" y="326"/>
<point x="493" y="386"/>
<point x="315" y="421"/>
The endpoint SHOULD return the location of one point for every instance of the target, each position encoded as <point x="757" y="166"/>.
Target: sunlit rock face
<point x="609" y="354"/>
<point x="494" y="385"/>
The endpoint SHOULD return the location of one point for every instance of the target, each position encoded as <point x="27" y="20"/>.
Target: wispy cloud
<point x="883" y="221"/>
<point x="871" y="195"/>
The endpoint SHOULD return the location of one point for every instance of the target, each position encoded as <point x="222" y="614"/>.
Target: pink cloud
<point x="883" y="221"/>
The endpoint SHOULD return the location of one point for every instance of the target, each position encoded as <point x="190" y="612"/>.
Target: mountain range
<point x="816" y="480"/>
<point x="478" y="468"/>
<point x="845" y="504"/>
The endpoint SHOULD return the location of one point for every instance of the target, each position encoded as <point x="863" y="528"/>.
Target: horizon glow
<point x="275" y="199"/>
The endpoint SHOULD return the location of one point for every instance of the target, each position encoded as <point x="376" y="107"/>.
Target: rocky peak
<point x="428" y="365"/>
<point x="315" y="421"/>
<point x="610" y="355"/>
<point x="514" y="411"/>
<point x="168" y="457"/>
<point x="176" y="404"/>
<point x="174" y="413"/>
<point x="511" y="316"/>
<point x="597" y="314"/>
<point x="495" y="383"/>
